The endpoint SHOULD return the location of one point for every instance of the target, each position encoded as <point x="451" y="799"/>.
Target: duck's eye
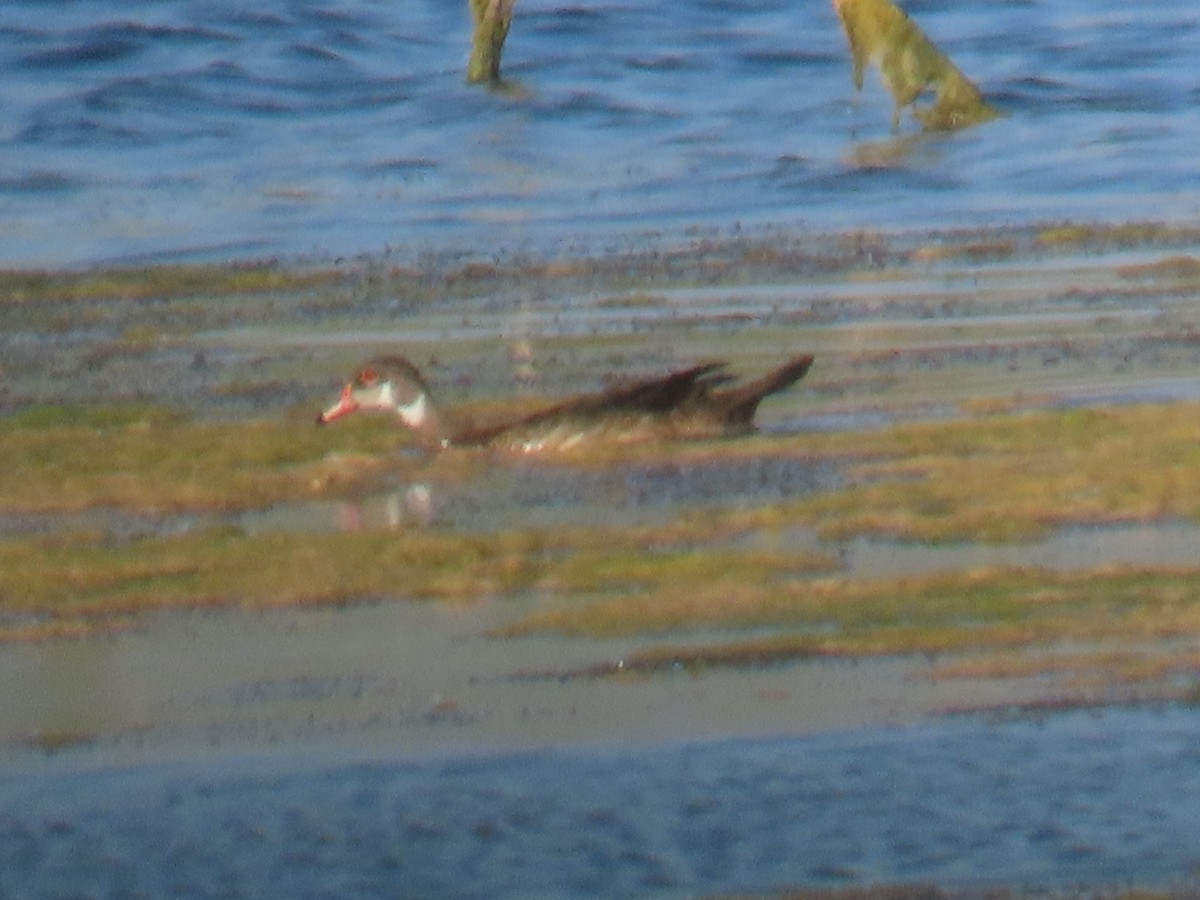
<point x="366" y="378"/>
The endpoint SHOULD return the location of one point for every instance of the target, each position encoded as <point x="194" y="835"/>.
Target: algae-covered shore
<point x="985" y="408"/>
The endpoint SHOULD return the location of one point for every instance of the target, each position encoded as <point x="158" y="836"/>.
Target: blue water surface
<point x="180" y="129"/>
<point x="1099" y="801"/>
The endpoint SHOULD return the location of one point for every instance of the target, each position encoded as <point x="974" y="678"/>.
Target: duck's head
<point x="391" y="384"/>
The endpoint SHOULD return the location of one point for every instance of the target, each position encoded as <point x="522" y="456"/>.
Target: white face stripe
<point x="412" y="414"/>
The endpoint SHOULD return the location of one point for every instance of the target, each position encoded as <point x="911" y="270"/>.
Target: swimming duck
<point x="698" y="402"/>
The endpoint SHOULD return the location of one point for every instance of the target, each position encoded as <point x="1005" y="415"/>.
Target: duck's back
<point x="688" y="404"/>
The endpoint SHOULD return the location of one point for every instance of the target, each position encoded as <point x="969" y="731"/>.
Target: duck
<point x="700" y="402"/>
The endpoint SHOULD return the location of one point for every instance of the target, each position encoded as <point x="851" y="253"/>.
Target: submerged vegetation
<point x="995" y="477"/>
<point x="1016" y="476"/>
<point x="151" y="460"/>
<point x="946" y="612"/>
<point x="74" y="583"/>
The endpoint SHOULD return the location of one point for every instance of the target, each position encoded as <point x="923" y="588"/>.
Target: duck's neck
<point x="420" y="415"/>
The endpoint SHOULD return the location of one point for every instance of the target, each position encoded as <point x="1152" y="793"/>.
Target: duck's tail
<point x="741" y="402"/>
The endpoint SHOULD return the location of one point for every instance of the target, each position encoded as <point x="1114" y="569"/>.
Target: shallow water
<point x="416" y="679"/>
<point x="1160" y="544"/>
<point x="172" y="129"/>
<point x="1094" y="803"/>
<point x="537" y="494"/>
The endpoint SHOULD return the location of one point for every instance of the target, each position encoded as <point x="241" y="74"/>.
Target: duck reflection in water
<point x="414" y="505"/>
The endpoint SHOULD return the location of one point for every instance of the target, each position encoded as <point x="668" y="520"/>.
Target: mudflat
<point x="983" y="496"/>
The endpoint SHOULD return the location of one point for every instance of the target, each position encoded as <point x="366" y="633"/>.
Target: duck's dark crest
<point x="385" y="365"/>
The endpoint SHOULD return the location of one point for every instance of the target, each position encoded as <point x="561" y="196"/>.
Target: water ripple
<point x="1094" y="805"/>
<point x="674" y="116"/>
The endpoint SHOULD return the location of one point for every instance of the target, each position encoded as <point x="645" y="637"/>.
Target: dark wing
<point x="661" y="394"/>
<point x="657" y="395"/>
<point x="737" y="405"/>
<point x="650" y="395"/>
